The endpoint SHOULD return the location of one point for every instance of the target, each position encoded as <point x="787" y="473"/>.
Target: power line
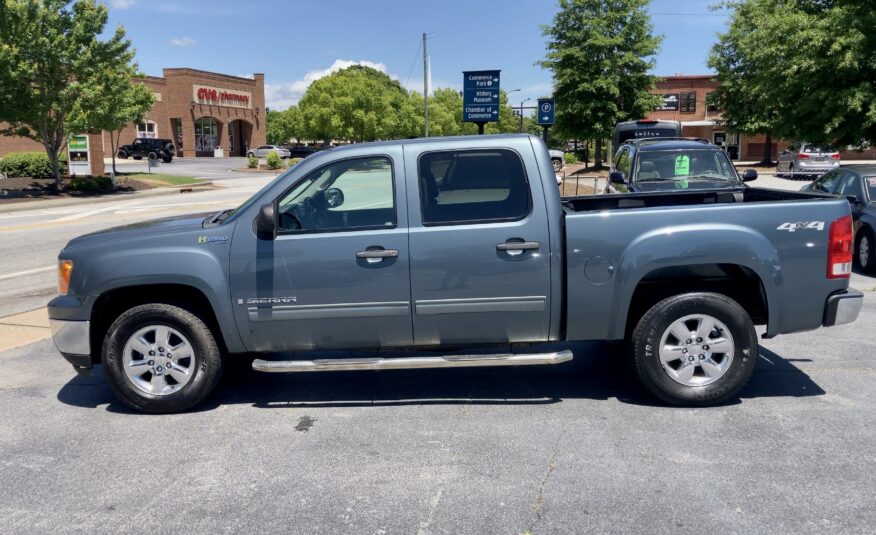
<point x="413" y="64"/>
<point x="482" y="26"/>
<point x="487" y="12"/>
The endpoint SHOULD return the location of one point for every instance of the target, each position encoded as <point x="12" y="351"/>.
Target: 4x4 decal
<point x="806" y="225"/>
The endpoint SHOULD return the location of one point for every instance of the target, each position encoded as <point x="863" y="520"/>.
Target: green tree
<point x="284" y="125"/>
<point x="50" y="53"/>
<point x="799" y="69"/>
<point x="600" y="53"/>
<point x="445" y="115"/>
<point x="358" y="103"/>
<point x="115" y="98"/>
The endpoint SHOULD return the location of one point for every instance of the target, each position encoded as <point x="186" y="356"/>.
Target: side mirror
<point x="265" y="223"/>
<point x="616" y="177"/>
<point x="334" y="197"/>
<point x="749" y="175"/>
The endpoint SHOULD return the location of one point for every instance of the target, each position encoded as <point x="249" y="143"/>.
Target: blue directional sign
<point x="546" y="108"/>
<point x="480" y="97"/>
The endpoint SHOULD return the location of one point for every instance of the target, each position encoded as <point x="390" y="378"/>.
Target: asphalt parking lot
<point x="575" y="448"/>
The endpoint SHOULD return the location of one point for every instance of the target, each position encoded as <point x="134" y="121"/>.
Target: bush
<point x="570" y="158"/>
<point x="292" y="161"/>
<point x="273" y="160"/>
<point x="30" y="164"/>
<point x="252" y="162"/>
<point x="90" y="183"/>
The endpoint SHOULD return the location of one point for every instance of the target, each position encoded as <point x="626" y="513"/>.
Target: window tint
<point x="622" y="163"/>
<point x="345" y="195"/>
<point x="827" y="183"/>
<point x="472" y="186"/>
<point x="850" y="185"/>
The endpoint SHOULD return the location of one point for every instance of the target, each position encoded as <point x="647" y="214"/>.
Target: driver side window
<point x="346" y="195"/>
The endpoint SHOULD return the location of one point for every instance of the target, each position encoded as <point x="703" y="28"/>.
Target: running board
<point x="409" y="363"/>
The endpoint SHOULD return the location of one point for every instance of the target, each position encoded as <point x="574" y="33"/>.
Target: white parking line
<point x="27" y="272"/>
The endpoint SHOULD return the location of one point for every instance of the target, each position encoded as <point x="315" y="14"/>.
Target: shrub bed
<point x="30" y="164"/>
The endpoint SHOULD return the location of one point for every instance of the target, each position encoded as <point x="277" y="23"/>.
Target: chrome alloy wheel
<point x="696" y="350"/>
<point x="159" y="360"/>
<point x="864" y="251"/>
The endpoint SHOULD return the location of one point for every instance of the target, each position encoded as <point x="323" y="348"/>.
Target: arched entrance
<point x="207" y="135"/>
<point x="239" y="137"/>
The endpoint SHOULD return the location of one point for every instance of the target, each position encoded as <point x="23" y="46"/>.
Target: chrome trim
<point x="329" y="311"/>
<point x="407" y="363"/>
<point x="71" y="337"/>
<point x="488" y="304"/>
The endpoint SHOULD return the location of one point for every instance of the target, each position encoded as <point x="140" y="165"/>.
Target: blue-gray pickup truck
<point x="446" y="244"/>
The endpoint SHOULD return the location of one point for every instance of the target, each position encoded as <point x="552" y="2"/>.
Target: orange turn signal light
<point x="65" y="270"/>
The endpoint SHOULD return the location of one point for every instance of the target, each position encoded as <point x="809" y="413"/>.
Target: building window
<point x="148" y="129"/>
<point x="206" y="134"/>
<point x="711" y="101"/>
<point x="688" y="102"/>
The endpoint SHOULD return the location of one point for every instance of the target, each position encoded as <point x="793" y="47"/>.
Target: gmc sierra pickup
<point x="448" y="243"/>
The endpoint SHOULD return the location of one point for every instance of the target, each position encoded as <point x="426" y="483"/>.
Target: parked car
<point x="300" y="151"/>
<point x="661" y="164"/>
<point x="149" y="148"/>
<point x="443" y="243"/>
<point x="263" y="151"/>
<point x="858" y="184"/>
<point x="804" y="159"/>
<point x="557" y="159"/>
<point x="645" y="129"/>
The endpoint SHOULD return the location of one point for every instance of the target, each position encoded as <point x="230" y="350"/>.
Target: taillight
<point x="803" y="156"/>
<point x="835" y="156"/>
<point x="839" y="248"/>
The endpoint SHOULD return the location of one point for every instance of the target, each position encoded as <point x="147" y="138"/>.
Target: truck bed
<point x="653" y="199"/>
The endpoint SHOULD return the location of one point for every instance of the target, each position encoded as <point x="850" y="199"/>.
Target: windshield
<point x="225" y="215"/>
<point x="685" y="167"/>
<point x="818" y="148"/>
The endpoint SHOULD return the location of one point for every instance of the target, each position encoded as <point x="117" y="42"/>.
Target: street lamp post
<point x="520" y="112"/>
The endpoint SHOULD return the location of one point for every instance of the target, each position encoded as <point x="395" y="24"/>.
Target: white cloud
<point x="281" y="96"/>
<point x="122" y="4"/>
<point x="183" y="42"/>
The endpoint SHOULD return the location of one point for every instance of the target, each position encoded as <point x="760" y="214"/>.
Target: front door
<point x="480" y="259"/>
<point x="337" y="275"/>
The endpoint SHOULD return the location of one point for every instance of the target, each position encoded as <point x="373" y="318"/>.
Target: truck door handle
<point x="375" y="255"/>
<point x="517" y="247"/>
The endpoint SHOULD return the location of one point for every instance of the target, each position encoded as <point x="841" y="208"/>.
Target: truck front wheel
<point x="160" y="358"/>
<point x="695" y="349"/>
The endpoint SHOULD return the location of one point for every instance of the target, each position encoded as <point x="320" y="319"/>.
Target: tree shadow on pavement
<point x="599" y="371"/>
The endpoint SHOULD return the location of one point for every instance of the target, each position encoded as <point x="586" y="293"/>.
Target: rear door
<point x="479" y="242"/>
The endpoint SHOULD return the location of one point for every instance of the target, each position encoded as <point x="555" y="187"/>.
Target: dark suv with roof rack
<point x="671" y="164"/>
<point x="148" y="148"/>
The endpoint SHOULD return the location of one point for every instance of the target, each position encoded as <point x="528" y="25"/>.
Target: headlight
<point x="65" y="270"/>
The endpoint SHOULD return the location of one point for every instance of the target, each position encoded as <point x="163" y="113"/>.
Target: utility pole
<point x="425" y="88"/>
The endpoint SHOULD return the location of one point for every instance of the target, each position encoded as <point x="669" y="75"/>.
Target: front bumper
<point x="72" y="338"/>
<point x="842" y="307"/>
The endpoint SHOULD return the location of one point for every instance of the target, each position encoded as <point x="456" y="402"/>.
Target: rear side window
<point x="472" y="186"/>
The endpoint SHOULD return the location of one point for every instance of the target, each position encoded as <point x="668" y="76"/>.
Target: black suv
<point x="672" y="164"/>
<point x="157" y="148"/>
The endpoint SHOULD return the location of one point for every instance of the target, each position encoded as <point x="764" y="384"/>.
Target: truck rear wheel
<point x="160" y="358"/>
<point x="694" y="349"/>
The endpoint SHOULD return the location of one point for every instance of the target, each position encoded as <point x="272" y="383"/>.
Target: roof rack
<point x="642" y="141"/>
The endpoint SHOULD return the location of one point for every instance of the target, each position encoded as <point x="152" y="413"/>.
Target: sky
<point x="294" y="42"/>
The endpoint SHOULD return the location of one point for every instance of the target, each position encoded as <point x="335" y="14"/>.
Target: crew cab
<point x="662" y="164"/>
<point x="449" y="243"/>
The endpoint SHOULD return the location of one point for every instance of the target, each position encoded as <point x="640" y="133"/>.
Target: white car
<point x="557" y="159"/>
<point x="263" y="151"/>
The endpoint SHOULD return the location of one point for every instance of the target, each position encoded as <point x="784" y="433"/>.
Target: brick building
<point x="686" y="99"/>
<point x="198" y="110"/>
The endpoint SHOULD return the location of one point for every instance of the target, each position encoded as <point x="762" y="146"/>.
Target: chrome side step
<point x="408" y="363"/>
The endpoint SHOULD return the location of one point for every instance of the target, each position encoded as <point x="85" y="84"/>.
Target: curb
<point x="72" y="201"/>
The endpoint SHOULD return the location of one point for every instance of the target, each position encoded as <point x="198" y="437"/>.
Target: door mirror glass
<point x="616" y="177"/>
<point x="265" y="224"/>
<point x="334" y="197"/>
<point x="749" y="175"/>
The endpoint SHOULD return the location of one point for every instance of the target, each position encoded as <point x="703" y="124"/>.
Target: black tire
<point x="152" y="155"/>
<point x="648" y="334"/>
<point x="250" y="154"/>
<point x="207" y="368"/>
<point x="122" y="154"/>
<point x="867" y="262"/>
<point x="166" y="159"/>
